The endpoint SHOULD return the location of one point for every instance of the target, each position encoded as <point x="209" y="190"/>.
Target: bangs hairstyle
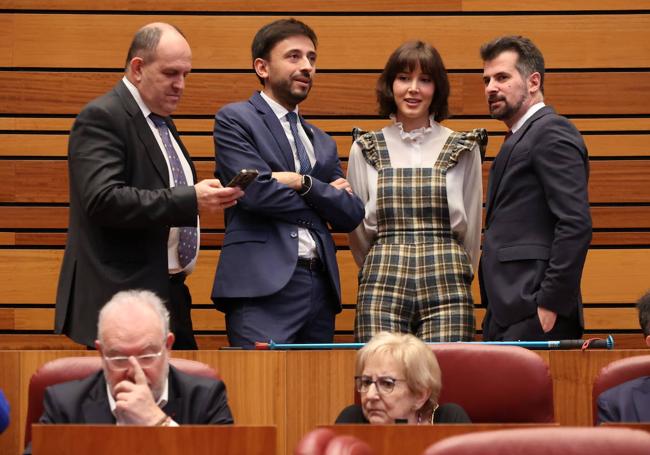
<point x="271" y="34"/>
<point x="405" y="59"/>
<point x="421" y="369"/>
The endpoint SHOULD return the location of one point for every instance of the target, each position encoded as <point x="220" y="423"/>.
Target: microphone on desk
<point x="401" y="421"/>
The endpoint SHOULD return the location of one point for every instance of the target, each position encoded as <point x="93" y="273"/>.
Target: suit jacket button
<point x="293" y="234"/>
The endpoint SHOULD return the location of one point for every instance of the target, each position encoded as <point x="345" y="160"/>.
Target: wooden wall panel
<point x="333" y="94"/>
<point x="202" y="146"/>
<point x="417" y="6"/>
<point x="345" y="42"/>
<point x="22" y="180"/>
<point x="611" y="276"/>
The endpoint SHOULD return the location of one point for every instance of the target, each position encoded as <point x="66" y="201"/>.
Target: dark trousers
<point x="530" y="329"/>
<point x="180" y="313"/>
<point x="302" y="312"/>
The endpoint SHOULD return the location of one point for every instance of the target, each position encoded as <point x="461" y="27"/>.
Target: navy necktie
<point x="186" y="235"/>
<point x="303" y="158"/>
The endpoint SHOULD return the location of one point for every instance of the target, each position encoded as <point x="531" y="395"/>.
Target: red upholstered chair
<point x="315" y="442"/>
<point x="495" y="384"/>
<point x="71" y="368"/>
<point x="616" y="373"/>
<point x="347" y="445"/>
<point x="546" y="441"/>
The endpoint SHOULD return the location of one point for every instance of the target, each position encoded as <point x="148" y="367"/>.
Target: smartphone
<point x="244" y="178"/>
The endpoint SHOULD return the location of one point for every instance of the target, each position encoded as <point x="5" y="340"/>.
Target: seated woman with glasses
<point x="398" y="378"/>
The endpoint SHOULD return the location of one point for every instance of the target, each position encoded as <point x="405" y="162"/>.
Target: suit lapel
<point x="500" y="163"/>
<point x="174" y="405"/>
<point x="274" y="126"/>
<point x="96" y="408"/>
<point x="144" y="132"/>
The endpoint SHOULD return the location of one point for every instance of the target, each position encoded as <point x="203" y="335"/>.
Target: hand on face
<point x="134" y="402"/>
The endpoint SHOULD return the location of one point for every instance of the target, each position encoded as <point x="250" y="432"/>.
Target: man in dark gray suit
<point x="137" y="385"/>
<point x="134" y="200"/>
<point x="538" y="225"/>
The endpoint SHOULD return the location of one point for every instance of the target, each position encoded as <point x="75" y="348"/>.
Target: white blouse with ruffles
<point x="420" y="148"/>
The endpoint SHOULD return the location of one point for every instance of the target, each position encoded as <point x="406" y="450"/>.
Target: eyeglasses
<point x="121" y="362"/>
<point x="384" y="384"/>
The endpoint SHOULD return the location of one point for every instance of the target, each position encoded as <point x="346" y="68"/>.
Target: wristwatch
<point x="305" y="184"/>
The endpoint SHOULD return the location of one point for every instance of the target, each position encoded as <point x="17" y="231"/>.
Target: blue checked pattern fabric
<point x="417" y="276"/>
<point x="187" y="240"/>
<point x="303" y="158"/>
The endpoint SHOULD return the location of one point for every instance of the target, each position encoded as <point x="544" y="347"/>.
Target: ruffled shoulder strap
<point x="464" y="141"/>
<point x="373" y="146"/>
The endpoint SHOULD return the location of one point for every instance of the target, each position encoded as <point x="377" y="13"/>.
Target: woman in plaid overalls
<point x="418" y="246"/>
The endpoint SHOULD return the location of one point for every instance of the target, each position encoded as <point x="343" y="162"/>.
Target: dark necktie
<point x="303" y="158"/>
<point x="186" y="235"/>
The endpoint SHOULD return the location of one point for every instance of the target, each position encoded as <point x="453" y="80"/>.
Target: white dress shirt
<point x="306" y="243"/>
<point x="172" y="241"/>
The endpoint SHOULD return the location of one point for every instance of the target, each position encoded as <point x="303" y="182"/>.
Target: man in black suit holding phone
<point x="537" y="226"/>
<point x="134" y="197"/>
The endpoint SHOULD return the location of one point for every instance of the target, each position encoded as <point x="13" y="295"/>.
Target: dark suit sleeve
<point x="53" y="408"/>
<point x="237" y="150"/>
<point x="100" y="173"/>
<point x="559" y="158"/>
<point x="607" y="409"/>
<point x="217" y="410"/>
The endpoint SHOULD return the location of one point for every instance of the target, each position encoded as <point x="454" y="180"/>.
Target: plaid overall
<point x="417" y="276"/>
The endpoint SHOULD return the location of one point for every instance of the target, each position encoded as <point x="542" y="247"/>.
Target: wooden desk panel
<point x="187" y="439"/>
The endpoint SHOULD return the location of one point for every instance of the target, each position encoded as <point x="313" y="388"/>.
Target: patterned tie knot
<point x="157" y="120"/>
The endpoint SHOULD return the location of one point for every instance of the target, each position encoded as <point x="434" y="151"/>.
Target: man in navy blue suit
<point x="630" y="401"/>
<point x="277" y="276"/>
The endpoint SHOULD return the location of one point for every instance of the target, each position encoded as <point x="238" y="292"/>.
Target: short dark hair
<point x="643" y="305"/>
<point x="530" y="59"/>
<point x="406" y="59"/>
<point x="145" y="42"/>
<point x="271" y="34"/>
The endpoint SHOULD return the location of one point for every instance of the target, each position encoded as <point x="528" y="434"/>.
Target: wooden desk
<point x="186" y="439"/>
<point x="413" y="439"/>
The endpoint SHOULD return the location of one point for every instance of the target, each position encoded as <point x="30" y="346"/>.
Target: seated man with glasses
<point x="398" y="378"/>
<point x="137" y="385"/>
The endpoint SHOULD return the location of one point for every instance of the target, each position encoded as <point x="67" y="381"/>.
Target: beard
<point x="289" y="95"/>
<point x="508" y="110"/>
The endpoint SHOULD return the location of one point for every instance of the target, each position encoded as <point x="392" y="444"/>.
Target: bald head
<point x="146" y="41"/>
<point x="132" y="312"/>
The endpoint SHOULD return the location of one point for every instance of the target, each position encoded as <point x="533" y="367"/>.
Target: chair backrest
<point x="495" y="384"/>
<point x="546" y="441"/>
<point x="315" y="442"/>
<point x="347" y="445"/>
<point x="70" y="368"/>
<point x="616" y="373"/>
